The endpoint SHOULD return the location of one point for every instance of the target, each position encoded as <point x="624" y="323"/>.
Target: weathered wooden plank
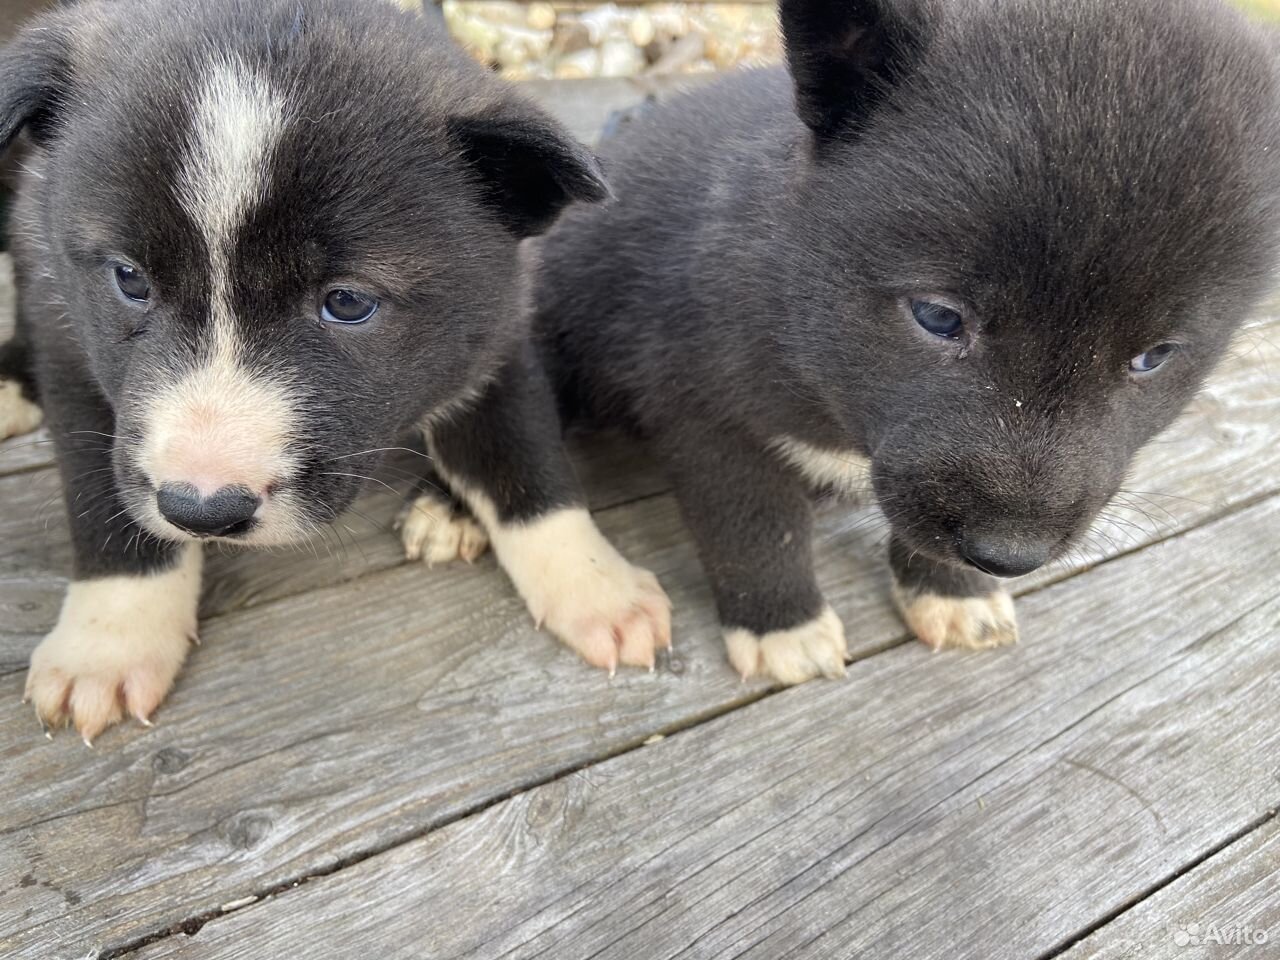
<point x="24" y="454"/>
<point x="985" y="807"/>
<point x="1227" y="906"/>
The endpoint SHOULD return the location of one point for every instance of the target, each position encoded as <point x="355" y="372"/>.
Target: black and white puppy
<point x="257" y="240"/>
<point x="976" y="252"/>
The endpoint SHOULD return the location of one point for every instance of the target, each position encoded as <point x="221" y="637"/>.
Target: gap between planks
<point x="1237" y="841"/>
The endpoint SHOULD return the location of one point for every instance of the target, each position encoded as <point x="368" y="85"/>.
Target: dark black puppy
<point x="983" y="250"/>
<point x="257" y="241"/>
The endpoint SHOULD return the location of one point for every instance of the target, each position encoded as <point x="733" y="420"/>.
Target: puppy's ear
<point x="528" y="168"/>
<point x="34" y="79"/>
<point x="844" y="55"/>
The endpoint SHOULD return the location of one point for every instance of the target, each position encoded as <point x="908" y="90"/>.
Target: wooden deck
<point x="370" y="759"/>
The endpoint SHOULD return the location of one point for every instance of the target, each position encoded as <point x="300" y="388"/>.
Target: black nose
<point x="226" y="513"/>
<point x="1005" y="558"/>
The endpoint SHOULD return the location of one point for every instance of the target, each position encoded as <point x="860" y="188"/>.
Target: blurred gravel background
<point x="542" y="40"/>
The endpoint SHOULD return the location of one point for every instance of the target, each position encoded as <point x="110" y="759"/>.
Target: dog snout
<point x="227" y="512"/>
<point x="1005" y="556"/>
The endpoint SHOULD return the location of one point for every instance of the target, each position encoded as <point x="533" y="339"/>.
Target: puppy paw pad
<point x="18" y="415"/>
<point x="92" y="680"/>
<point x="615" y="615"/>
<point x="433" y="532"/>
<point x="116" y="649"/>
<point x="959" y="623"/>
<point x="811" y="650"/>
<point x="584" y="591"/>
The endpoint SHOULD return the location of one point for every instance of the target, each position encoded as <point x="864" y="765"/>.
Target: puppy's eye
<point x="938" y="318"/>
<point x="1153" y="359"/>
<point x="133" y="283"/>
<point x="348" y="306"/>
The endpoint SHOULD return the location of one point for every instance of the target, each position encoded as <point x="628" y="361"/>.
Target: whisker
<point x="416" y="453"/>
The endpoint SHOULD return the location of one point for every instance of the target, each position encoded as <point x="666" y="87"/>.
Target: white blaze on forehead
<point x="237" y="125"/>
<point x="238" y="122"/>
<point x="224" y="422"/>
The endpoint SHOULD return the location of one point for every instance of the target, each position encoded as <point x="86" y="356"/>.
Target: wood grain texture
<point x="1234" y="896"/>
<point x="979" y="807"/>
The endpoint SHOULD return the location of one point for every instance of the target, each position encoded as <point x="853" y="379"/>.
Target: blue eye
<point x="348" y="306"/>
<point x="939" y="319"/>
<point x="1153" y="359"/>
<point x="133" y="283"/>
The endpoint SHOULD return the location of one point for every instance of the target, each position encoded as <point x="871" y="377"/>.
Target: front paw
<point x="18" y="415"/>
<point x="116" y="649"/>
<point x="581" y="589"/>
<point x="433" y="531"/>
<point x="959" y="623"/>
<point x="811" y="650"/>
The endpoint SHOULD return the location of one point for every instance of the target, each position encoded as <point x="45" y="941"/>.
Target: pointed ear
<point x="528" y="168"/>
<point x="844" y="55"/>
<point x="34" y="79"/>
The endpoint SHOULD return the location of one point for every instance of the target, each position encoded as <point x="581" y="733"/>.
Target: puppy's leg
<point x="753" y="523"/>
<point x="504" y="457"/>
<point x="950" y="607"/>
<point x="129" y="615"/>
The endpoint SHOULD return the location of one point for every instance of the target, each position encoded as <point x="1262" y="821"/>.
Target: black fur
<point x="405" y="169"/>
<point x="1085" y="179"/>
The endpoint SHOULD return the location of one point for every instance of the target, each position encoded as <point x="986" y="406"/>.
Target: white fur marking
<point x="116" y="648"/>
<point x="582" y="590"/>
<point x="846" y="471"/>
<point x="238" y="123"/>
<point x="577" y="585"/>
<point x="432" y="532"/>
<point x="222" y="423"/>
<point x="18" y="415"/>
<point x="814" y="649"/>
<point x="218" y="426"/>
<point x="959" y="623"/>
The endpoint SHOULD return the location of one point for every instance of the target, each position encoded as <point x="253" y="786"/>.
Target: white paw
<point x="814" y="649"/>
<point x="18" y="415"/>
<point x="116" y="649"/>
<point x="959" y="623"/>
<point x="433" y="532"/>
<point x="582" y="590"/>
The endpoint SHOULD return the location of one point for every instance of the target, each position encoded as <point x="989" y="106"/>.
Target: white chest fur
<point x="844" y="471"/>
